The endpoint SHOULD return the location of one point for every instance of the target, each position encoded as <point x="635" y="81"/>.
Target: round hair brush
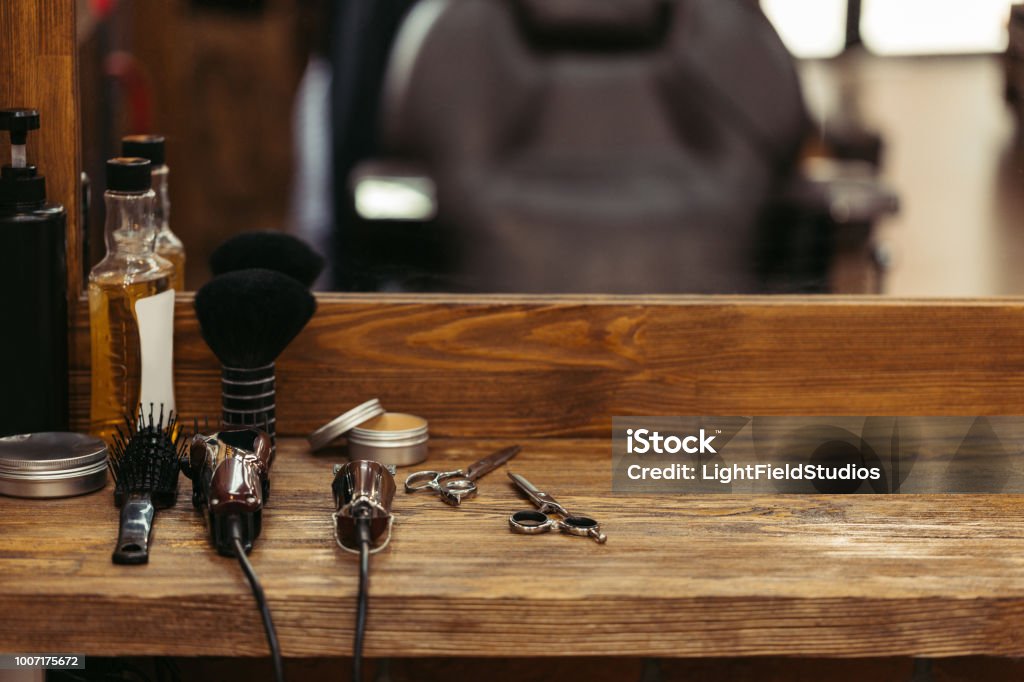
<point x="248" y="318"/>
<point x="276" y="251"/>
<point x="144" y="462"/>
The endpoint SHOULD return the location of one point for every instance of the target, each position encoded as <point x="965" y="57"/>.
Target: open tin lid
<point x="52" y="464"/>
<point x="339" y="426"/>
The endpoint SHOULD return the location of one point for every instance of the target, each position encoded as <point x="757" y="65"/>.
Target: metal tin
<point x="391" y="438"/>
<point x="386" y="437"/>
<point x="52" y="464"/>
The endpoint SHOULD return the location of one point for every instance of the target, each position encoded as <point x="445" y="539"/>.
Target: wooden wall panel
<point x="522" y="367"/>
<point x="37" y="70"/>
<point x="224" y="86"/>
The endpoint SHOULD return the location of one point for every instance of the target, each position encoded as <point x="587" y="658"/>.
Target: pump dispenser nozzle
<point x="18" y="122"/>
<point x="20" y="184"/>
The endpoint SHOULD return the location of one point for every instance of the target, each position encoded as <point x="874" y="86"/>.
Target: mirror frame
<point x="556" y="365"/>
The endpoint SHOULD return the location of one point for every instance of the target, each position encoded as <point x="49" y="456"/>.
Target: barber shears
<point x="531" y="522"/>
<point x="453" y="486"/>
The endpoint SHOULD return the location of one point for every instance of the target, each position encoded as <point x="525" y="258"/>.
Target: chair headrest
<point x="581" y="23"/>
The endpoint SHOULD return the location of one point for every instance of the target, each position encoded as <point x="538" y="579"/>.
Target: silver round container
<point x="52" y="465"/>
<point x="390" y="438"/>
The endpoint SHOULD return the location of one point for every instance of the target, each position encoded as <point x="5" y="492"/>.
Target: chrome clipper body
<point x="363" y="491"/>
<point x="230" y="472"/>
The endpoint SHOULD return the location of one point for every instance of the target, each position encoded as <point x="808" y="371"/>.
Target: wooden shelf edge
<point x="495" y="627"/>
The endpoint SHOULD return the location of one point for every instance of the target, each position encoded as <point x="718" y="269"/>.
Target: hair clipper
<point x="230" y="472"/>
<point x="363" y="492"/>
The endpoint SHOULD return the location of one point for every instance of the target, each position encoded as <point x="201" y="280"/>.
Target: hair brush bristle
<point x="146" y="458"/>
<point x="275" y="251"/>
<point x="249" y="317"/>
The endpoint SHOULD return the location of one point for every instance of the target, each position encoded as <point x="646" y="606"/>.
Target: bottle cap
<point x="18" y="122"/>
<point x="128" y="174"/>
<point x="21" y="187"/>
<point x="144" y="146"/>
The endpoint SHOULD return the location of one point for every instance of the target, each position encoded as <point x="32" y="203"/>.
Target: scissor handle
<point x="429" y="479"/>
<point x="530" y="522"/>
<point x="453" y="490"/>
<point x="457" y="485"/>
<point x="583" y="526"/>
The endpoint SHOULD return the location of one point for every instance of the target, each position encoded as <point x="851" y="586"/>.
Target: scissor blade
<point x="540" y="498"/>
<point x="491" y="462"/>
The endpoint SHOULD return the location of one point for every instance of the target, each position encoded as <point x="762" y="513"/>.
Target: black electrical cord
<point x="261" y="602"/>
<point x="363" y="535"/>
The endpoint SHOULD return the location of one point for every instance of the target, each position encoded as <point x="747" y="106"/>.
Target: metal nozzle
<point x="17" y="122"/>
<point x="363" y="493"/>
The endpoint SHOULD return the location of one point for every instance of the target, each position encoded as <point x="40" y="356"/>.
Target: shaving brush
<point x="271" y="251"/>
<point x="247" y="318"/>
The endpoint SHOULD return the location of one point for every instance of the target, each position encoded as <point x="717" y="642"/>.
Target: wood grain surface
<point x="559" y="366"/>
<point x="37" y="71"/>
<point x="679" y="576"/>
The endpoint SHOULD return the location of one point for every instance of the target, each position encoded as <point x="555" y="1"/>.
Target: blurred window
<point x="895" y="27"/>
<point x="809" y="28"/>
<point x="817" y="28"/>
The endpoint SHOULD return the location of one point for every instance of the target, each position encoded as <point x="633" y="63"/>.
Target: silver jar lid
<point x="339" y="426"/>
<point x="52" y="465"/>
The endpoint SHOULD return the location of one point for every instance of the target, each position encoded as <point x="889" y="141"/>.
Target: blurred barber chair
<point x="616" y="146"/>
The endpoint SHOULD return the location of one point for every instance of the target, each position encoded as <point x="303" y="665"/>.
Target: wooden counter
<point x="680" y="575"/>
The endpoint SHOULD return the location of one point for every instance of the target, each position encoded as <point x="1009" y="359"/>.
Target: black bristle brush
<point x="144" y="461"/>
<point x="248" y="317"/>
<point x="276" y="251"/>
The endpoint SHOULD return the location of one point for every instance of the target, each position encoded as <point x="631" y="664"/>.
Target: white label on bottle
<point x="155" y="315"/>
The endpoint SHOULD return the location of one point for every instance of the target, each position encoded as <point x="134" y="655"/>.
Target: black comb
<point x="144" y="460"/>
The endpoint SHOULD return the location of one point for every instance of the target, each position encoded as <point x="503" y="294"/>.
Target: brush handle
<point x="248" y="398"/>
<point x="137" y="514"/>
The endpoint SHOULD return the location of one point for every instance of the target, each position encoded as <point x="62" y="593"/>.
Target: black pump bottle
<point x="33" y="292"/>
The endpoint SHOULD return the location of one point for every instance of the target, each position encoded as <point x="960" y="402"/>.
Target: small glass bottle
<point x="168" y="245"/>
<point x="131" y="305"/>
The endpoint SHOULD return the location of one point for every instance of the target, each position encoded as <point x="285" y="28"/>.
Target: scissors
<point x="452" y="486"/>
<point x="530" y="522"/>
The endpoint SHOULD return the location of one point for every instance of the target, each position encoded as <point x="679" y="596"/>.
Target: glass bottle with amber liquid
<point x="168" y="245"/>
<point x="131" y="305"/>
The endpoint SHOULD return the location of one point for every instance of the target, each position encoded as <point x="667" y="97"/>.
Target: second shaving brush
<point x="248" y="317"/>
<point x="144" y="463"/>
<point x="275" y="251"/>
